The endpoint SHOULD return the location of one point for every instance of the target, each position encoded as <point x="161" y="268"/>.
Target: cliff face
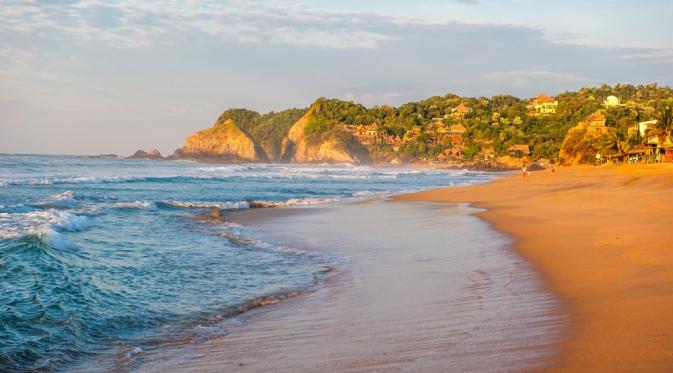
<point x="303" y="146"/>
<point x="582" y="143"/>
<point x="294" y="136"/>
<point x="224" y="141"/>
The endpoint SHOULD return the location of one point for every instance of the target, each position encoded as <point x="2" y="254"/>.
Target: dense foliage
<point x="267" y="130"/>
<point x="491" y="125"/>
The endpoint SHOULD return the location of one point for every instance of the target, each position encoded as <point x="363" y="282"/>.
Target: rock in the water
<point x="150" y="154"/>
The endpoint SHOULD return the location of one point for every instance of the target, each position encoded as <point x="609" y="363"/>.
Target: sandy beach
<point x="559" y="271"/>
<point x="422" y="287"/>
<point x="601" y="239"/>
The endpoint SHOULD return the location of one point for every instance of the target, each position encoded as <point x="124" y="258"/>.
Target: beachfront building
<point x="611" y="101"/>
<point x="662" y="147"/>
<point x="641" y="127"/>
<point x="542" y="105"/>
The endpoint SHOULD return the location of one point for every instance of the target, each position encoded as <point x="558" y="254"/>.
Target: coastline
<point x="600" y="238"/>
<point x="425" y="287"/>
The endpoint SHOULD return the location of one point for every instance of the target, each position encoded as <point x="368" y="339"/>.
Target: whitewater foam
<point x="142" y="205"/>
<point x="51" y="238"/>
<point x="46" y="225"/>
<point x="239" y="205"/>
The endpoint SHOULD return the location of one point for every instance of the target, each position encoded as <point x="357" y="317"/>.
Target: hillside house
<point x="456" y="132"/>
<point x="611" y="101"/>
<point x="460" y="111"/>
<point x="596" y="119"/>
<point x="542" y="105"/>
<point x="596" y="123"/>
<point x="642" y="127"/>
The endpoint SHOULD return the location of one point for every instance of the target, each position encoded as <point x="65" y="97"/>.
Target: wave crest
<point x="45" y="225"/>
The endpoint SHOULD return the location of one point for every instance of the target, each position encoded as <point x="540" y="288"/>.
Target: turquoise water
<point x="107" y="257"/>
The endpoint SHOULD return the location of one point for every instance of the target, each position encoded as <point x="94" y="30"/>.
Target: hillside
<point x="319" y="136"/>
<point x="451" y="129"/>
<point x="268" y="130"/>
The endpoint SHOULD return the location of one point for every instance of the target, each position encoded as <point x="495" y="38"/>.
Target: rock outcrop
<point x="582" y="143"/>
<point x="99" y="156"/>
<point x="225" y="141"/>
<point x="301" y="146"/>
<point x="293" y="136"/>
<point x="150" y="154"/>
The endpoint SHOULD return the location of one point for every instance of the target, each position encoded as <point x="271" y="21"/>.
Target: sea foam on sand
<point x="427" y="287"/>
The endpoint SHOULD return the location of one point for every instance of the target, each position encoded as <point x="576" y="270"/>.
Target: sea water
<point x="102" y="258"/>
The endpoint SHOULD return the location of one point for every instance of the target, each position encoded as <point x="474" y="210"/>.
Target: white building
<point x="611" y="101"/>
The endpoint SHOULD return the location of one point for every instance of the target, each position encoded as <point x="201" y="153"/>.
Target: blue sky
<point x="99" y="76"/>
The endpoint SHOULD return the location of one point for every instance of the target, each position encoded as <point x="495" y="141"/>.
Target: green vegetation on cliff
<point x="462" y="129"/>
<point x="267" y="130"/>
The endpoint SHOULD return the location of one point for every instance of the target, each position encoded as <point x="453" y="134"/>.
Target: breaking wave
<point x="46" y="226"/>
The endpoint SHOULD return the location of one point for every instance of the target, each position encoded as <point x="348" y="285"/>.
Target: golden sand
<point x="602" y="238"/>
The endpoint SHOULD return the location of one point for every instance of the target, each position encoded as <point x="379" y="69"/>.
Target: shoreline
<point x="599" y="238"/>
<point x="475" y="167"/>
<point x="397" y="303"/>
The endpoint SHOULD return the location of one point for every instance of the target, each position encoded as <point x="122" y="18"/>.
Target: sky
<point x="94" y="76"/>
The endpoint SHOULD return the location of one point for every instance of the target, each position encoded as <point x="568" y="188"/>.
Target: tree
<point x="665" y="120"/>
<point x="616" y="141"/>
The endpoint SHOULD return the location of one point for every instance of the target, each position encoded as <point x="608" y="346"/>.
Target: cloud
<point x="137" y="25"/>
<point x="655" y="55"/>
<point x="117" y="71"/>
<point x="20" y="64"/>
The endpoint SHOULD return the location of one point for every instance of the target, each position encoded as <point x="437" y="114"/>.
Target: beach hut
<point x="638" y="153"/>
<point x="661" y="148"/>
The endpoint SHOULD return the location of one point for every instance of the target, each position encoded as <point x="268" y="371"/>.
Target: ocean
<point x="102" y="259"/>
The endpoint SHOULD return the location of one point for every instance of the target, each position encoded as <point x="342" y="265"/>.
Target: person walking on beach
<point x="524" y="171"/>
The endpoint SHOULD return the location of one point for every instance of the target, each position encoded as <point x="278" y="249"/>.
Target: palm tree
<point x="665" y="120"/>
<point x="616" y="141"/>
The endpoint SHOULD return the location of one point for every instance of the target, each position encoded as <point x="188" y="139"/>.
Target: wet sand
<point x="603" y="240"/>
<point x="421" y="287"/>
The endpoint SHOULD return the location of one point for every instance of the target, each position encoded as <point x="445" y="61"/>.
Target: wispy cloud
<point x="654" y="55"/>
<point x="132" y="25"/>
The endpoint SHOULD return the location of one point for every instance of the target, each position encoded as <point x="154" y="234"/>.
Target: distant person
<point x="524" y="171"/>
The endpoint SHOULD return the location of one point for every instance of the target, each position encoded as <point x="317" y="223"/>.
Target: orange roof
<point x="596" y="117"/>
<point x="543" y="99"/>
